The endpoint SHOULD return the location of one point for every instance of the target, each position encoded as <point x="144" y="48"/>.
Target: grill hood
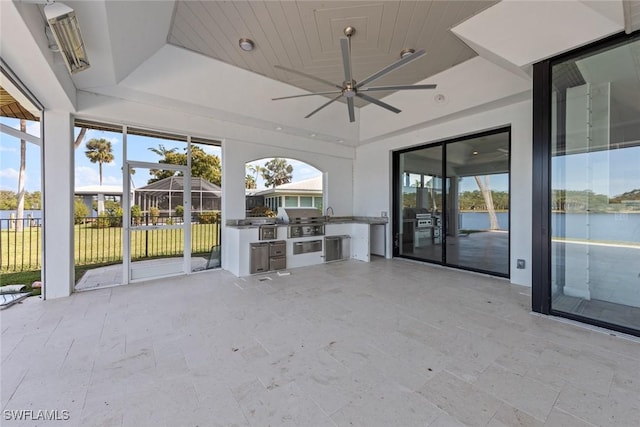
<point x="300" y="215"/>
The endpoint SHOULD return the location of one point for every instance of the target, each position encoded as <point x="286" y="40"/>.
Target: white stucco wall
<point x="372" y="169"/>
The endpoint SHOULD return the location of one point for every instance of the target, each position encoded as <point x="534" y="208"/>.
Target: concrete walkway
<point x="112" y="274"/>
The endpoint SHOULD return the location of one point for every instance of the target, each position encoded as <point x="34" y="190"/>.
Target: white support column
<point x="57" y="184"/>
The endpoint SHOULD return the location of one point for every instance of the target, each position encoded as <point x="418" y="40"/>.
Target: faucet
<point x="327" y="211"/>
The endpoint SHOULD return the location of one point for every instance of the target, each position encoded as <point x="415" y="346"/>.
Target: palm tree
<point x="79" y="138"/>
<point x="23" y="158"/>
<point x="485" y="189"/>
<point x="99" y="151"/>
<point x="162" y="151"/>
<point x="256" y="170"/>
<point x="249" y="182"/>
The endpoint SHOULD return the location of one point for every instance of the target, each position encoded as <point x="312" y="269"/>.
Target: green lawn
<point x="20" y="251"/>
<point x="28" y="277"/>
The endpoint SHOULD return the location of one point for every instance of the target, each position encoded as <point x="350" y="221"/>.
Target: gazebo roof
<point x="176" y="184"/>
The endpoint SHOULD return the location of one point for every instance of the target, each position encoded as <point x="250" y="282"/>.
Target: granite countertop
<point x="374" y="220"/>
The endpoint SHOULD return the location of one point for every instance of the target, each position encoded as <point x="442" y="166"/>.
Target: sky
<point x="86" y="173"/>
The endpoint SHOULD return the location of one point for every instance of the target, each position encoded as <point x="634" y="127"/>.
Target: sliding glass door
<point x="595" y="186"/>
<point x="451" y="203"/>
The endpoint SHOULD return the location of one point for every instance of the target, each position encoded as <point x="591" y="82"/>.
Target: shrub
<point x="262" y="211"/>
<point x="210" y="217"/>
<point x="103" y="221"/>
<point x="80" y="211"/>
<point x="154" y="214"/>
<point x="180" y="211"/>
<point x="136" y="214"/>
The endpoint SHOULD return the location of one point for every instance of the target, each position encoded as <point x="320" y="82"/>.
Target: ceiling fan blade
<point x="378" y="102"/>
<point x="396" y="87"/>
<point x="345" y="45"/>
<point x="300" y="73"/>
<point x="389" y="68"/>
<point x="322" y="106"/>
<point x="307" y="94"/>
<point x="352" y="111"/>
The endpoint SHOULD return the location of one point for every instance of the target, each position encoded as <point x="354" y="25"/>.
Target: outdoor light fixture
<point x="64" y="26"/>
<point x="406" y="52"/>
<point x="246" y="44"/>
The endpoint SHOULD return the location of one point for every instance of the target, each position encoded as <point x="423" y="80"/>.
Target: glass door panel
<point x="157" y="239"/>
<point x="595" y="197"/>
<point x="478" y="203"/>
<point x="420" y="208"/>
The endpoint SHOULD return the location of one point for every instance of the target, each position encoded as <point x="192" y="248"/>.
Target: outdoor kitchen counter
<point x="362" y="230"/>
<point x="372" y="220"/>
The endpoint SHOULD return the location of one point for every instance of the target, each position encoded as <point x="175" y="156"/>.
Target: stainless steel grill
<point x="304" y="216"/>
<point x="303" y="222"/>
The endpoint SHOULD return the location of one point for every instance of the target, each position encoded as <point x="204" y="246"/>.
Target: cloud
<point x="97" y="134"/>
<point x="9" y="179"/>
<point x="111" y="180"/>
<point x="210" y="149"/>
<point x="33" y="128"/>
<point x="87" y="176"/>
<point x="9" y="173"/>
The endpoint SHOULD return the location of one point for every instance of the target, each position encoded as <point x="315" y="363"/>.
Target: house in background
<point x="301" y="194"/>
<point x="91" y="193"/>
<point x="167" y="194"/>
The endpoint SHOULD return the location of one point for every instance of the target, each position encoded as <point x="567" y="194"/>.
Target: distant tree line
<point x="9" y="200"/>
<point x="587" y="200"/>
<point x="473" y="200"/>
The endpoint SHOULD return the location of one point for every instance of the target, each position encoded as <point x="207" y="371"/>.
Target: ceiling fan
<point x="350" y="88"/>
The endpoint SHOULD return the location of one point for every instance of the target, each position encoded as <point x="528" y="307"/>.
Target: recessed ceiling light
<point x="406" y="52"/>
<point x="279" y="128"/>
<point x="440" y="98"/>
<point x="341" y="140"/>
<point x="246" y="44"/>
<point x="312" y="135"/>
<point x="475" y="153"/>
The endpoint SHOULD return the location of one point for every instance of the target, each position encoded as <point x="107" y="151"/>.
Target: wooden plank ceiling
<point x="305" y="36"/>
<point x="9" y="107"/>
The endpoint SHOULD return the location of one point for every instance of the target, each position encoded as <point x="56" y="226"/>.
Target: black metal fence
<point x="100" y="240"/>
<point x="20" y="244"/>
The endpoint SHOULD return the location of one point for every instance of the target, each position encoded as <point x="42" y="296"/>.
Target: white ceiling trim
<point x="525" y="32"/>
<point x="471" y="84"/>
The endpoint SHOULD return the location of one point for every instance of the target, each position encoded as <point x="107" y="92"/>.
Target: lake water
<point x="6" y="215"/>
<point x="613" y="227"/>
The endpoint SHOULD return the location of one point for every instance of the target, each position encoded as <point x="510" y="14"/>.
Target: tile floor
<point x="386" y="343"/>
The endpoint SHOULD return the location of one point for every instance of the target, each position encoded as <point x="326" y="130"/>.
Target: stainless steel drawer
<point x="306" y="247"/>
<point x="277" y="263"/>
<point x="278" y="248"/>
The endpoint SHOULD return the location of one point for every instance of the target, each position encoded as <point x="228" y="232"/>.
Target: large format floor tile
<point x="386" y="343"/>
